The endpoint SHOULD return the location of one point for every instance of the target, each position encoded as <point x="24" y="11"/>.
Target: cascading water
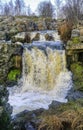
<point x="45" y="77"/>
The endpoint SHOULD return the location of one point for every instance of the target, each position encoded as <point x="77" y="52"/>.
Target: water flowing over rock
<point x="45" y="77"/>
<point x="47" y="35"/>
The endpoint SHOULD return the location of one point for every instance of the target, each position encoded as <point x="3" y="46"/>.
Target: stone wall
<point x="11" y="25"/>
<point x="9" y="53"/>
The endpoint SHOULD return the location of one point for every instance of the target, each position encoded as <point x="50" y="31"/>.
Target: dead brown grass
<point x="68" y="115"/>
<point x="51" y="122"/>
<point x="77" y="123"/>
<point x="65" y="31"/>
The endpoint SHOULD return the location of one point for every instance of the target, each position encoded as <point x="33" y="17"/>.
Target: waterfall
<point x="45" y="77"/>
<point x="42" y="37"/>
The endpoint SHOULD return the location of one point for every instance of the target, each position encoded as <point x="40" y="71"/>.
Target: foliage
<point x="14" y="74"/>
<point x="77" y="69"/>
<point x="5" y="121"/>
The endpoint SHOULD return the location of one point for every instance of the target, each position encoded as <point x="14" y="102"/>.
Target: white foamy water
<point x="36" y="98"/>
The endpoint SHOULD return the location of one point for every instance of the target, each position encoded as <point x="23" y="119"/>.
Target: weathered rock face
<point x="10" y="26"/>
<point x="74" y="51"/>
<point x="10" y="58"/>
<point x="75" y="33"/>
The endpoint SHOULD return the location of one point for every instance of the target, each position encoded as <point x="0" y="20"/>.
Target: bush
<point x="65" y="31"/>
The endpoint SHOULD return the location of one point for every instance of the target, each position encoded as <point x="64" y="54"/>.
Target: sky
<point x="33" y="3"/>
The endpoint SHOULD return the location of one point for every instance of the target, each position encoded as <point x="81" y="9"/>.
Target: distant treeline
<point x="72" y="10"/>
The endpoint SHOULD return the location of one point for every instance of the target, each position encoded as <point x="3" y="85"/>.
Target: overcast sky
<point x="33" y="3"/>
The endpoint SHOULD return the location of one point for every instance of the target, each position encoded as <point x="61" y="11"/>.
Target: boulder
<point x="22" y="37"/>
<point x="75" y="33"/>
<point x="37" y="37"/>
<point x="49" y="37"/>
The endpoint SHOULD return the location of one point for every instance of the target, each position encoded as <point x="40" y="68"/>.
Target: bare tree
<point x="6" y="9"/>
<point x="73" y="10"/>
<point x="1" y="7"/>
<point x="58" y="4"/>
<point x="11" y="6"/>
<point x="19" y="5"/>
<point x="45" y="9"/>
<point x="29" y="12"/>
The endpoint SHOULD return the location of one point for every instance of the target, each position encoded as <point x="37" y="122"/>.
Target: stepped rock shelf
<point x="74" y="53"/>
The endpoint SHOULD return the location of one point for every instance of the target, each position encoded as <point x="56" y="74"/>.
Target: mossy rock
<point x="13" y="75"/>
<point x="75" y="40"/>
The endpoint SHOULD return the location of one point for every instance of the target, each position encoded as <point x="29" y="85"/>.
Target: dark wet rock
<point x="54" y="104"/>
<point x="49" y="37"/>
<point x="74" y="95"/>
<point x="27" y="120"/>
<point x="28" y="126"/>
<point x="5" y="110"/>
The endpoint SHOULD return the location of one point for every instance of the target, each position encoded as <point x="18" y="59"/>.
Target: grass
<point x="68" y="116"/>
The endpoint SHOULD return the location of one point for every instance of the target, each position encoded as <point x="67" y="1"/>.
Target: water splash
<point x="45" y="78"/>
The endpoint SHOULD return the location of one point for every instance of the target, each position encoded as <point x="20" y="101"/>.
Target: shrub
<point x="65" y="31"/>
